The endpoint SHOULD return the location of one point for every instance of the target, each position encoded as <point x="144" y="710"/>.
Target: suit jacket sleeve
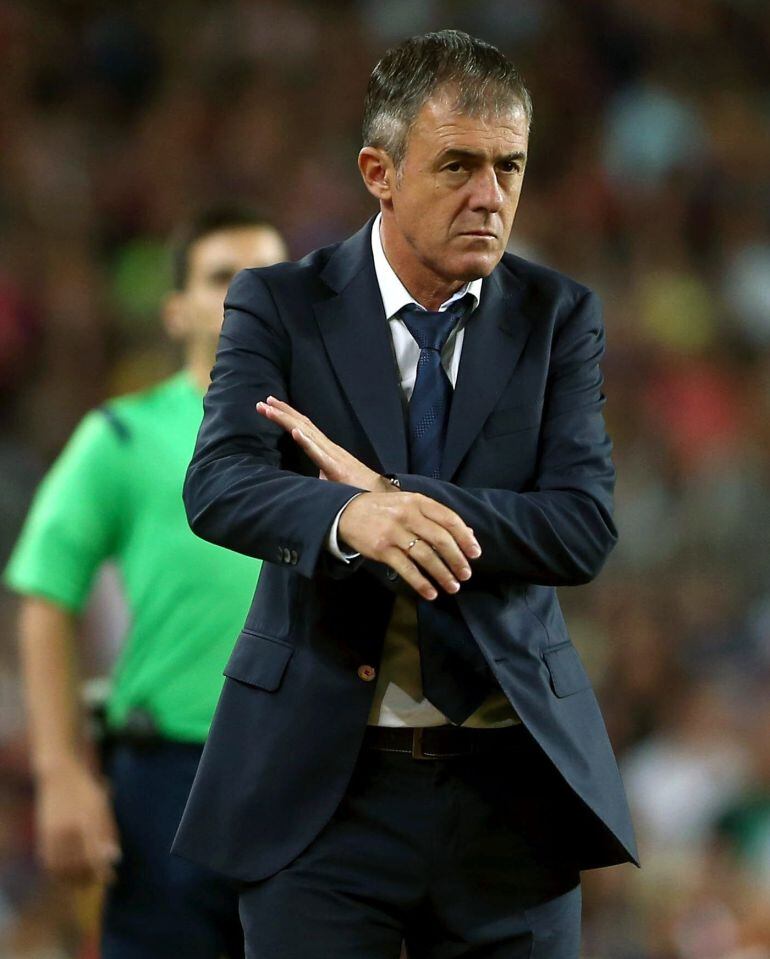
<point x="562" y="531"/>
<point x="241" y="491"/>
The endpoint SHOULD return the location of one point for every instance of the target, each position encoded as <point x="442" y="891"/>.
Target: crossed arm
<point x="558" y="534"/>
<point x="239" y="495"/>
<point x="558" y="537"/>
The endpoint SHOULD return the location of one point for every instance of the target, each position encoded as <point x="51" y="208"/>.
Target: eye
<point x="509" y="166"/>
<point x="221" y="277"/>
<point x="454" y="167"/>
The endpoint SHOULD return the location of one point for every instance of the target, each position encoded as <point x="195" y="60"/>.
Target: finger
<point x="337" y="459"/>
<point x="461" y="533"/>
<point x="300" y="420"/>
<point x="431" y="564"/>
<point x="409" y="572"/>
<point x="289" y="420"/>
<point x="285" y="407"/>
<point x="285" y="420"/>
<point x="320" y="439"/>
<point x="322" y="459"/>
<point x="319" y="456"/>
<point x="305" y="424"/>
<point x="444" y="547"/>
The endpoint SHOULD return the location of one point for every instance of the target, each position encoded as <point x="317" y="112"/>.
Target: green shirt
<point x="116" y="493"/>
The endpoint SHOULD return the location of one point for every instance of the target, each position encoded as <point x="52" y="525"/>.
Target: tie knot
<point x="431" y="330"/>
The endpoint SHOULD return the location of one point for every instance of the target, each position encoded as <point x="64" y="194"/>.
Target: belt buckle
<point x="417" y="750"/>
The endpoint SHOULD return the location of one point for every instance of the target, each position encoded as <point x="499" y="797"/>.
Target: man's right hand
<point x="77" y="835"/>
<point x="381" y="526"/>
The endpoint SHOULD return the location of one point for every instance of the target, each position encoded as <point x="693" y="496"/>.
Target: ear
<point x="174" y="316"/>
<point x="378" y="172"/>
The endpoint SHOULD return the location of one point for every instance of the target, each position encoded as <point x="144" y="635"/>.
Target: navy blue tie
<point x="455" y="676"/>
<point x="432" y="394"/>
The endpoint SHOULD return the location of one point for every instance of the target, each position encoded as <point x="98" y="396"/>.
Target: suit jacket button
<point x="367" y="673"/>
<point x="280" y="554"/>
<point x="286" y="555"/>
<point x="294" y="557"/>
<point x="391" y="574"/>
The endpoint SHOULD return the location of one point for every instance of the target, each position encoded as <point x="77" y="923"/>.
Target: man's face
<point x="455" y="196"/>
<point x="195" y="313"/>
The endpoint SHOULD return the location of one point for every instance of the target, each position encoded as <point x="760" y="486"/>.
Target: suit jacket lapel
<point x="357" y="339"/>
<point x="495" y="336"/>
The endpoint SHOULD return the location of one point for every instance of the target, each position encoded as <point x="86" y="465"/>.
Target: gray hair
<point x="483" y="80"/>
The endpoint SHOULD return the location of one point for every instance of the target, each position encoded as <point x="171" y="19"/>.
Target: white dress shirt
<point x="398" y="699"/>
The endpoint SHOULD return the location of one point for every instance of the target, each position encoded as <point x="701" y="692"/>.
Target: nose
<point x="486" y="193"/>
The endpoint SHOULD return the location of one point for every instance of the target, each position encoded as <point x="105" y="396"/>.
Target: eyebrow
<point x="455" y="152"/>
<point x="221" y="270"/>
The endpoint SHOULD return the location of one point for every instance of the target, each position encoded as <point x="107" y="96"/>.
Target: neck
<point x="427" y="287"/>
<point x="198" y="366"/>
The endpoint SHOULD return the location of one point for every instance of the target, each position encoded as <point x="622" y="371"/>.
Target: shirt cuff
<point x="332" y="543"/>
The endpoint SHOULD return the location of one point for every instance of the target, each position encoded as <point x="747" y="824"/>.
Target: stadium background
<point x="648" y="181"/>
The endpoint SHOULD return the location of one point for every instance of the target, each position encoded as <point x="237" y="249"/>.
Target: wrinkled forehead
<point x="480" y="100"/>
<point x="445" y="119"/>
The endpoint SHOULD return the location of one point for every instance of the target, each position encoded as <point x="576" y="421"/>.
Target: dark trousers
<point x="458" y="857"/>
<point x="162" y="906"/>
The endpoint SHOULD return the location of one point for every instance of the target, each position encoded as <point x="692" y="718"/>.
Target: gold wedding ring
<point x="414" y="541"/>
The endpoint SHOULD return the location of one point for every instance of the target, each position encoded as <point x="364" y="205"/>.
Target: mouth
<point x="486" y="234"/>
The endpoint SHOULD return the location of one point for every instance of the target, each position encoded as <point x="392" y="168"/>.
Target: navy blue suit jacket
<point x="526" y="465"/>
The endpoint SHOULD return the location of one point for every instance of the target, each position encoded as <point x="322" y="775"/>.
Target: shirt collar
<point x="394" y="294"/>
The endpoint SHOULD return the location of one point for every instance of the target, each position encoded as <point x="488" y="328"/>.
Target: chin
<point x="475" y="266"/>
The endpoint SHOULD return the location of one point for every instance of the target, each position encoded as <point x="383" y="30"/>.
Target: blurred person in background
<point x="407" y="743"/>
<point x="115" y="494"/>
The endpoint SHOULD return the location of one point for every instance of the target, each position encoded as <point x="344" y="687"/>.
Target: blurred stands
<point x="648" y="181"/>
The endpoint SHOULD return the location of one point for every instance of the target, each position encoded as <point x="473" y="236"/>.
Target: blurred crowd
<point x="648" y="181"/>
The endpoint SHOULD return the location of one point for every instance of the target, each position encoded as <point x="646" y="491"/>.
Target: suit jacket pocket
<point x="258" y="660"/>
<point x="568" y="674"/>
<point x="513" y="418"/>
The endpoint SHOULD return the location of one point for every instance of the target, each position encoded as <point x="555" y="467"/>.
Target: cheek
<point x="513" y="199"/>
<point x="427" y="199"/>
<point x="416" y="218"/>
<point x="211" y="307"/>
<point x="444" y="209"/>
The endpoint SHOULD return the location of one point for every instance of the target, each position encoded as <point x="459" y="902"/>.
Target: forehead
<point x="441" y="126"/>
<point x="236" y="247"/>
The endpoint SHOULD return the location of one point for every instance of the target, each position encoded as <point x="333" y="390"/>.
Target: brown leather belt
<point x="444" y="742"/>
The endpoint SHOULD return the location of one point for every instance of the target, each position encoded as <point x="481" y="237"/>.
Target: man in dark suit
<point x="407" y="427"/>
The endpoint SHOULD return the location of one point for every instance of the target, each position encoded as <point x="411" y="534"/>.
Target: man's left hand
<point x="333" y="462"/>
